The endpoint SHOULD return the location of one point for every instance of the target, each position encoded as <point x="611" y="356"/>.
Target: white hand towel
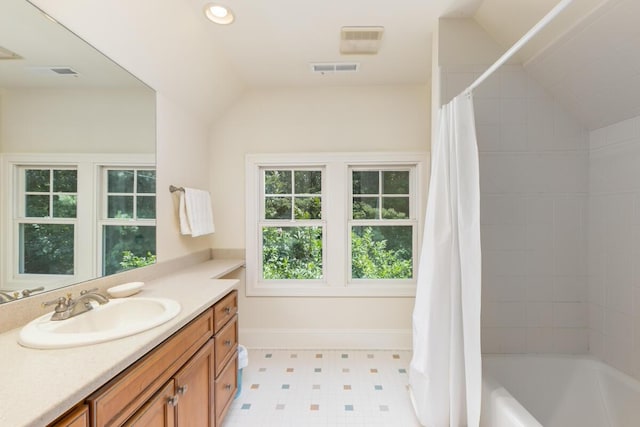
<point x="196" y="216"/>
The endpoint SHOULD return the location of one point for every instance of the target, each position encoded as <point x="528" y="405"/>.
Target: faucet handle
<point x="61" y="303"/>
<point x="88" y="291"/>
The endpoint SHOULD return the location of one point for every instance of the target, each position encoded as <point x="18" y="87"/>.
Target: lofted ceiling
<point x="587" y="58"/>
<point x="273" y="43"/>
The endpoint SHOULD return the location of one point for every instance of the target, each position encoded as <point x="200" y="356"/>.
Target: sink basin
<point x="116" y="319"/>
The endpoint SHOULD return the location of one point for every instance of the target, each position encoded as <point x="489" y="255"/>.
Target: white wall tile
<point x="539" y="288"/>
<point x="621" y="131"/>
<point x="540" y="340"/>
<point x="570" y="340"/>
<point x="569" y="315"/>
<point x="618" y="325"/>
<point x="499" y="209"/>
<point x="570" y="289"/>
<point x="539" y="314"/>
<point x="596" y="318"/>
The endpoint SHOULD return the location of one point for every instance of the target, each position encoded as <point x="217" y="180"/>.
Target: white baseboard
<point x="327" y="339"/>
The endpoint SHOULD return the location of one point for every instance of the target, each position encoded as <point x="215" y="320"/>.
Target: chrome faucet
<point x="68" y="307"/>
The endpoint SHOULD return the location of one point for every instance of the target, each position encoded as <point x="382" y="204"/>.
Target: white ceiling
<point x="42" y="43"/>
<point x="594" y="70"/>
<point x="272" y="43"/>
<point x="589" y="60"/>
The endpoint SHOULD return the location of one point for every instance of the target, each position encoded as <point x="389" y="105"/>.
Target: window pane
<point x="365" y="208"/>
<point x="395" y="207"/>
<point x="127" y="247"/>
<point x="381" y="252"/>
<point x="64" y="206"/>
<point x="277" y="182"/>
<point x="146" y="208"/>
<point x="65" y="181"/>
<point x="308" y="182"/>
<point x="120" y="207"/>
<point x="308" y="208"/>
<point x="120" y="181"/>
<point x="291" y="253"/>
<point x="36" y="206"/>
<point x="395" y="182"/>
<point x="146" y="181"/>
<point x="37" y="180"/>
<point x="46" y="248"/>
<point x="365" y="182"/>
<point x="277" y="208"/>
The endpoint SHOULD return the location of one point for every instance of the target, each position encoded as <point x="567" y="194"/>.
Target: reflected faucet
<point x="28" y="292"/>
<point x="6" y="297"/>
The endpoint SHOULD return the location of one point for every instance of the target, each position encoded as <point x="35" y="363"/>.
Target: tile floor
<point x="323" y="388"/>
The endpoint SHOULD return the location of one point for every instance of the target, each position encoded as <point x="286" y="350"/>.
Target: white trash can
<point x="243" y="362"/>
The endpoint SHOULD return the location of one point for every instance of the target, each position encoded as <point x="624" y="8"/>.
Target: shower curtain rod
<point x="516" y="47"/>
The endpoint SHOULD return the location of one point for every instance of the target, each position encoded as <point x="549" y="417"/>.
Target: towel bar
<point x="173" y="188"/>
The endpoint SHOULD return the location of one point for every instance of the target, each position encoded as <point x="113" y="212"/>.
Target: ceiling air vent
<point x="7" y="54"/>
<point x="334" y="67"/>
<point x="65" y="71"/>
<point x="360" y="40"/>
<point x="58" y="71"/>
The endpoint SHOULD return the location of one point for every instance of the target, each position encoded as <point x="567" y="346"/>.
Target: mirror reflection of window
<point x="128" y="223"/>
<point x="47" y="220"/>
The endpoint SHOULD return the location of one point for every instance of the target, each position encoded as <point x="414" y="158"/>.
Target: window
<point x="291" y="225"/>
<point x="72" y="217"/>
<point x="127" y="223"/>
<point x="382" y="226"/>
<point x="333" y="224"/>
<point x="46" y="220"/>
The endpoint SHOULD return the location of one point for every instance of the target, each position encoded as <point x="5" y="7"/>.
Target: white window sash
<point x="336" y="214"/>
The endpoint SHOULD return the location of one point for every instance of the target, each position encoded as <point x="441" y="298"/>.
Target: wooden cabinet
<point x="195" y="389"/>
<point x="187" y="381"/>
<point x="159" y="411"/>
<point x="77" y="417"/>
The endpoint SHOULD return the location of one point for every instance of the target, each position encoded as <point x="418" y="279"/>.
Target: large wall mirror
<point x="77" y="159"/>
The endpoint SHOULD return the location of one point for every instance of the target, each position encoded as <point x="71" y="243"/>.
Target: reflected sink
<point x="116" y="319"/>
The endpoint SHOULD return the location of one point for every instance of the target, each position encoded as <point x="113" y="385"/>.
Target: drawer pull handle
<point x="182" y="390"/>
<point x="172" y="401"/>
<point x="227" y="386"/>
<point x="227" y="310"/>
<point x="227" y="343"/>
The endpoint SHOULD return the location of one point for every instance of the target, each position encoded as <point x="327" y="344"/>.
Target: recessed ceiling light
<point x="219" y="14"/>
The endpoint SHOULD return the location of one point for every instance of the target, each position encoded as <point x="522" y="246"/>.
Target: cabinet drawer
<point x="226" y="343"/>
<point x="116" y="401"/>
<point x="224" y="310"/>
<point x="226" y="386"/>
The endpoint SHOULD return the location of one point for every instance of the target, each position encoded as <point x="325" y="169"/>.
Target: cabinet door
<point x="79" y="417"/>
<point x="194" y="387"/>
<point x="159" y="411"/>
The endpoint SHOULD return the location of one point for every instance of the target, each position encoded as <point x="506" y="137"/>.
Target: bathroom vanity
<point x="183" y="372"/>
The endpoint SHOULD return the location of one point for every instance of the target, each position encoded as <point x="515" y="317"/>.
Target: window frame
<point x="86" y="265"/>
<point x="336" y="216"/>
<point x="103" y="220"/>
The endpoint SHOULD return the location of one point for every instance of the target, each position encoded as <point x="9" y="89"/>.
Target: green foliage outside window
<point x="292" y="253"/>
<point x="381" y="253"/>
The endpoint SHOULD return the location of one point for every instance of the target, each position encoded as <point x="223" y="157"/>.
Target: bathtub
<point x="556" y="391"/>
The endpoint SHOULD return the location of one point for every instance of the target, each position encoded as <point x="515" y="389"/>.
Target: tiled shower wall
<point x="614" y="245"/>
<point x="534" y="183"/>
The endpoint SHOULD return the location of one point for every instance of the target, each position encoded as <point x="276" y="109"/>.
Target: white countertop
<point x="40" y="385"/>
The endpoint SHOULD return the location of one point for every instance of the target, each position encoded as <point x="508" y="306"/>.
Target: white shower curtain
<point x="446" y="369"/>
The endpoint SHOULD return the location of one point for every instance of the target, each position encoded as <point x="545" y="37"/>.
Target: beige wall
<point x="77" y="121"/>
<point x="313" y="120"/>
<point x="186" y="100"/>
